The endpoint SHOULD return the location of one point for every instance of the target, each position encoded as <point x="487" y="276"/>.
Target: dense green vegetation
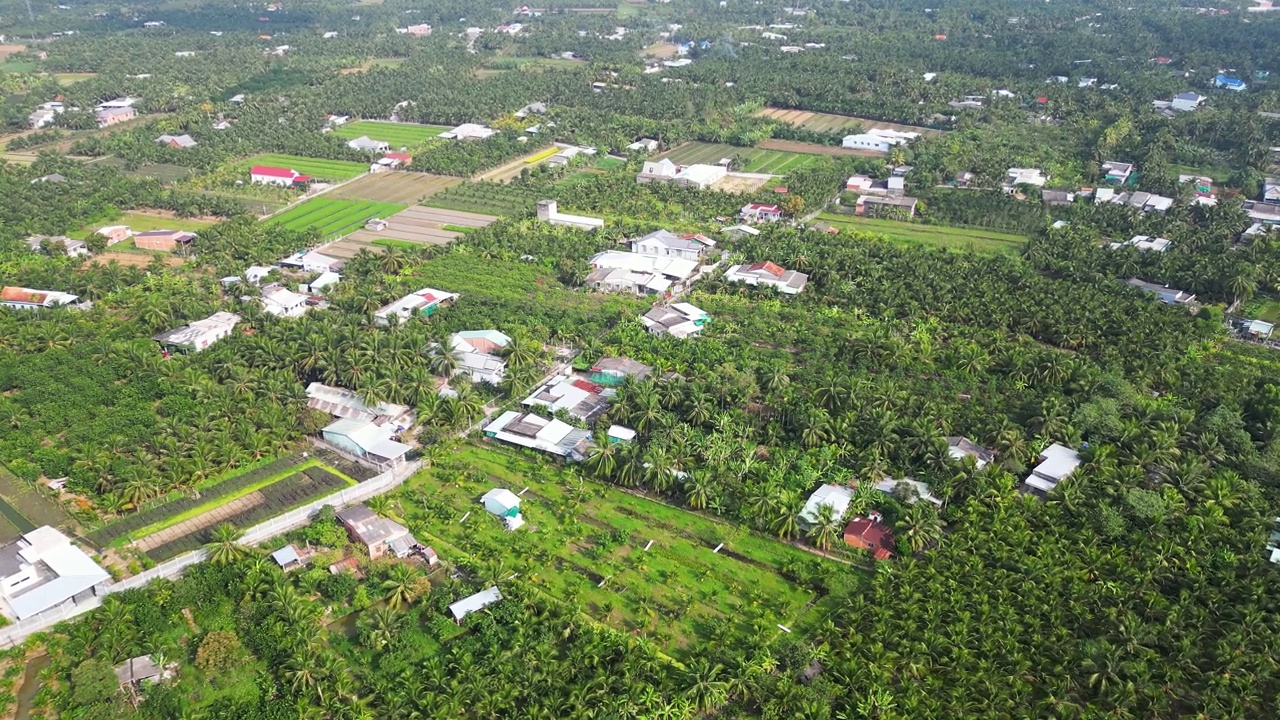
<point x="1138" y="588"/>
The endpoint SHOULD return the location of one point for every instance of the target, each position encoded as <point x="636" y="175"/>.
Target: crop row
<point x="125" y="526"/>
<point x="280" y="497"/>
<point x="331" y="217"/>
<point x="394" y="133"/>
<point x="318" y="169"/>
<point x="487" y="198"/>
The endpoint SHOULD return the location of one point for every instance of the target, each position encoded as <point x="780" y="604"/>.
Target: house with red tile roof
<point x="787" y="282"/>
<point x="870" y="534"/>
<point x="759" y="212"/>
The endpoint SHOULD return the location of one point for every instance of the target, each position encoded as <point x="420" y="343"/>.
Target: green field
<point x="397" y="134"/>
<point x="487" y="198"/>
<point x="325" y="170"/>
<point x="332" y="217"/>
<point x="586" y="543"/>
<point x="1262" y="307"/>
<point x="167" y="512"/>
<point x="753" y="160"/>
<point x="139" y="222"/>
<point x="24" y="507"/>
<point x="904" y="233"/>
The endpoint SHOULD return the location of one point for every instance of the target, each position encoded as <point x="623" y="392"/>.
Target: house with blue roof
<point x="1229" y="83"/>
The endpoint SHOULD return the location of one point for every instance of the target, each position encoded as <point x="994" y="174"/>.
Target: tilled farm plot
<point x="423" y="226"/>
<point x="396" y="186"/>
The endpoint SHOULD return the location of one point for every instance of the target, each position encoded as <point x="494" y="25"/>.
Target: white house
<point x="1056" y="463"/>
<point x="1271" y="191"/>
<point x="20" y="298"/>
<point x="960" y="448"/>
<point x="344" y="403"/>
<point x="474" y="603"/>
<point x="664" y="243"/>
<point x="503" y="504"/>
<point x="42" y="570"/>
<point x="1144" y="243"/>
<point x="661" y="171"/>
<point x="679" y="320"/>
<point x="199" y="334"/>
<point x="368" y="144"/>
<point x="615" y="271"/>
<point x="644" y="144"/>
<point x="580" y="398"/>
<point x="700" y="176"/>
<point x="878" y="139"/>
<point x="284" y="177"/>
<point x="1187" y="101"/>
<point x="421" y="303"/>
<point x="787" y="282"/>
<point x="538" y="433"/>
<point x="1025" y="176"/>
<point x="837" y="497"/>
<point x="760" y="212"/>
<point x="59" y="244"/>
<point x="281" y="302"/>
<point x="477" y="354"/>
<point x="368" y="440"/>
<point x="921" y="490"/>
<point x="469" y="131"/>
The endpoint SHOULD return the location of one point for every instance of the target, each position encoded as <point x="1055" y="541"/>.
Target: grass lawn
<point x="14" y="66"/>
<point x="585" y="543"/>
<point x="608" y="163"/>
<point x="328" y="170"/>
<point x="139" y="222"/>
<point x="72" y="78"/>
<point x="387" y="62"/>
<point x="1262" y="307"/>
<point x="1217" y="174"/>
<point x="331" y="217"/>
<point x="397" y="134"/>
<point x="753" y="160"/>
<point x="987" y="242"/>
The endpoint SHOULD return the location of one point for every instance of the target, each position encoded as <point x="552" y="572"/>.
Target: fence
<point x="172" y="569"/>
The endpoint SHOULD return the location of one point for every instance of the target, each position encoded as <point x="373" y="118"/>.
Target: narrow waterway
<point x="30" y="685"/>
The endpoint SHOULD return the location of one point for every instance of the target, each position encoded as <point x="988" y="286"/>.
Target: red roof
<point x="771" y="268"/>
<point x="1042" y="100"/>
<point x="760" y="207"/>
<point x="781" y="190"/>
<point x="939" y="37"/>
<point x="402" y="157"/>
<point x="278" y="172"/>
<point x="589" y="386"/>
<point x="17" y="294"/>
<point x="870" y="534"/>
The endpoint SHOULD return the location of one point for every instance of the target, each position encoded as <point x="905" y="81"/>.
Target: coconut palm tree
<point x="224" y="546"/>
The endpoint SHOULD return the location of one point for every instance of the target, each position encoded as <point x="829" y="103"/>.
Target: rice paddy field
<point x="396" y="186"/>
<point x="325" y="170"/>
<point x="395" y="133"/>
<point x="753" y="160"/>
<point x="331" y="217"/>
<point x="637" y="565"/>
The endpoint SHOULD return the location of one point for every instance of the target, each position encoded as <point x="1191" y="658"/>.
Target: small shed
<point x="620" y="434"/>
<point x="479" y="601"/>
<point x="287" y="557"/>
<point x="504" y="504"/>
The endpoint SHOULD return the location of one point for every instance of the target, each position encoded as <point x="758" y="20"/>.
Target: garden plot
<point x="639" y="566"/>
<point x="749" y="160"/>
<point x="396" y="134"/>
<point x="23" y="507"/>
<point x="396" y="186"/>
<point x="223" y="490"/>
<point x="839" y="124"/>
<point x="422" y="226"/>
<point x="332" y="217"/>
<point x="317" y="169"/>
<point x="491" y="198"/>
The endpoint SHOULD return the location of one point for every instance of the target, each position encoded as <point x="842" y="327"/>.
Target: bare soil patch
<point x="7" y="50"/>
<point x="741" y="184"/>
<point x="136" y="259"/>
<point x="662" y="51"/>
<point x="814" y="149"/>
<point x="397" y="186"/>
